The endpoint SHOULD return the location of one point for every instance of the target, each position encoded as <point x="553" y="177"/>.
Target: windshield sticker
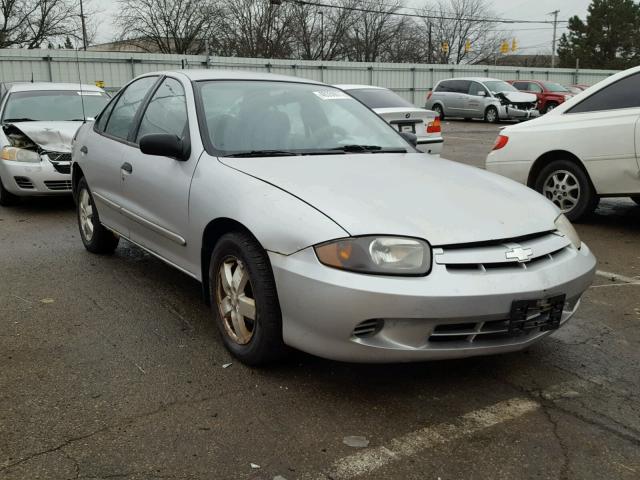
<point x="92" y="94"/>
<point x="331" y="95"/>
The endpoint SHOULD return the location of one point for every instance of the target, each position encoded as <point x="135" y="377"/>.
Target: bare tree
<point x="32" y="23"/>
<point x="167" y="26"/>
<point x="456" y="22"/>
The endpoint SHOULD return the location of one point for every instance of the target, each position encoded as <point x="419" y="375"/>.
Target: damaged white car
<point x="38" y="123"/>
<point x="490" y="99"/>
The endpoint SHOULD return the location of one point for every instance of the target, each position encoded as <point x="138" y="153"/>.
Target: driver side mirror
<point x="412" y="138"/>
<point x="165" y="145"/>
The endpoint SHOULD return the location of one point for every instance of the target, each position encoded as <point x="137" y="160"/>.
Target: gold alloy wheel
<point x="234" y="297"/>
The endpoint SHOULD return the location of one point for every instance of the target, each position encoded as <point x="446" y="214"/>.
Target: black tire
<point x="491" y="115"/>
<point x="265" y="344"/>
<point x="636" y="198"/>
<point x="7" y="199"/>
<point x="101" y="241"/>
<point x="587" y="199"/>
<point x="549" y="106"/>
<point x="439" y="111"/>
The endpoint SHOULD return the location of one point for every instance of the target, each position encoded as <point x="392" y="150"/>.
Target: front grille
<point x="24" y="182"/>
<point x="58" y="184"/>
<point x="368" y="328"/>
<point x="494" y="257"/>
<point x="60" y="161"/>
<point x="474" y="332"/>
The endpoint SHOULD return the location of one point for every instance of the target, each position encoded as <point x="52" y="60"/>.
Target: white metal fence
<point x="117" y="68"/>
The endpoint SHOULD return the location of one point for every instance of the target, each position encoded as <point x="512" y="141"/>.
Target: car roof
<point x="358" y="87"/>
<point x="33" y="86"/>
<point x="218" y="74"/>
<point x="475" y="79"/>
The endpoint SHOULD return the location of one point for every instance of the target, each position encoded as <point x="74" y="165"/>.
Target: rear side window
<point x="380" y="98"/>
<point x="460" y="86"/>
<point x="521" y="85"/>
<point x="624" y="93"/>
<point x="443" y="87"/>
<point x="166" y="112"/>
<point x="126" y="106"/>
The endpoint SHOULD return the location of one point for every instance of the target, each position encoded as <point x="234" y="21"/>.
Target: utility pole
<point x="553" y="42"/>
<point x="430" y="44"/>
<point x="84" y="27"/>
<point x="321" y="34"/>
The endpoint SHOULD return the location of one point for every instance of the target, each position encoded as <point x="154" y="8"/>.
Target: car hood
<point x="51" y="136"/>
<point x="416" y="195"/>
<point x="520" y="97"/>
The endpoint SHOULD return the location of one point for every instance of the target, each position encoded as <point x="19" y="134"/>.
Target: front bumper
<point x="322" y="306"/>
<point x="507" y="112"/>
<point x="431" y="145"/>
<point x="31" y="179"/>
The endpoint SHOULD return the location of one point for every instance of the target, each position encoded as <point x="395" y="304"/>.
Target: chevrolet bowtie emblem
<point x="520" y="254"/>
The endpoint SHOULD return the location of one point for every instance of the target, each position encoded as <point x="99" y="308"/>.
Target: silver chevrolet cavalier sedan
<point x="314" y="224"/>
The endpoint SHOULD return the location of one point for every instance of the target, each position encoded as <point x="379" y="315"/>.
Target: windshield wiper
<point x="12" y="120"/>
<point x="369" y="149"/>
<point x="263" y="153"/>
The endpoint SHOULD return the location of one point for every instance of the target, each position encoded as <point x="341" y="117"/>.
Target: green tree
<point x="68" y="44"/>
<point x="609" y="38"/>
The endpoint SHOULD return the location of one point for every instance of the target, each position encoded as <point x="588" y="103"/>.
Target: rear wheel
<point x="7" y="198"/>
<point x="568" y="187"/>
<point x="244" y="299"/>
<point x="491" y="115"/>
<point x="550" y="106"/>
<point x="439" y="111"/>
<point x="95" y="237"/>
<point x="636" y="198"/>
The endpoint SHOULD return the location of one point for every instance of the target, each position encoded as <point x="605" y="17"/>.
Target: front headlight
<point x="563" y="225"/>
<point x="380" y="255"/>
<point x="16" y="154"/>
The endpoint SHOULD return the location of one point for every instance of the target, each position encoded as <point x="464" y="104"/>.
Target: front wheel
<point x="7" y="198"/>
<point x="491" y="115"/>
<point x="95" y="237"/>
<point x="244" y="299"/>
<point x="568" y="187"/>
<point x="550" y="106"/>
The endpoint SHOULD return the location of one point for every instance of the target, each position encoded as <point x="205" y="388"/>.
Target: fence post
<point x="518" y="74"/>
<point x="48" y="60"/>
<point x="413" y="85"/>
<point x="431" y="77"/>
<point x="268" y="65"/>
<point x="321" y="67"/>
<point x="370" y="68"/>
<point x="133" y="68"/>
<point x="293" y="70"/>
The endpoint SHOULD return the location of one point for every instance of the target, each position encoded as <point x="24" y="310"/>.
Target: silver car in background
<point x="401" y="114"/>
<point x="38" y="122"/>
<point x="313" y="224"/>
<point x="490" y="99"/>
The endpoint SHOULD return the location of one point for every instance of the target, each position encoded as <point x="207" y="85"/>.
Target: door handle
<point x="126" y="167"/>
<point x="84" y="149"/>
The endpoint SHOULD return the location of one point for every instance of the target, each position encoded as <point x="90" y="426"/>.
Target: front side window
<point x="534" y="87"/>
<point x="126" y="106"/>
<point x="53" y="105"/>
<point x="245" y="117"/>
<point x="166" y="112"/>
<point x="380" y="98"/>
<point x="624" y="93"/>
<point x="476" y="88"/>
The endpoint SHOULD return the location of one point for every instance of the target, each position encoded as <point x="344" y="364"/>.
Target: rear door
<point x="103" y="148"/>
<point x="459" y="97"/>
<point x="156" y="188"/>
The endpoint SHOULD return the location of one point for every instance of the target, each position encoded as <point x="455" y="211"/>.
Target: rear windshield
<point x="53" y="105"/>
<point x="380" y="98"/>
<point x="555" y="87"/>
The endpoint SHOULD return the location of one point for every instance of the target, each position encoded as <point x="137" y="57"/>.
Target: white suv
<point x="583" y="150"/>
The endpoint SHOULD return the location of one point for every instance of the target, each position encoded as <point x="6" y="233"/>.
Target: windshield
<point x="285" y="118"/>
<point x="496" y="86"/>
<point x="53" y="105"/>
<point x="380" y="98"/>
<point x="555" y="87"/>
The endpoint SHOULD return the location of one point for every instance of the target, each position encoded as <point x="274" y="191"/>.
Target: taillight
<point x="434" y="127"/>
<point x="501" y="141"/>
<point x="429" y="94"/>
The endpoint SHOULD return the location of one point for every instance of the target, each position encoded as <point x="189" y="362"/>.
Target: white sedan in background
<point x="400" y="113"/>
<point x="583" y="150"/>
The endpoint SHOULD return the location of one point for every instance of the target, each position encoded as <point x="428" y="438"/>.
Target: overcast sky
<point x="532" y="38"/>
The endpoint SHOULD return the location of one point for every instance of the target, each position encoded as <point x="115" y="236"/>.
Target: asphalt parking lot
<point x="111" y="367"/>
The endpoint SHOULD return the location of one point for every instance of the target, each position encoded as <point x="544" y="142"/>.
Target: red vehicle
<point x="550" y="94"/>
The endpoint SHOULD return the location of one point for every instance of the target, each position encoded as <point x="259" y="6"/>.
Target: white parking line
<point x="371" y="459"/>
<point x="615" y="277"/>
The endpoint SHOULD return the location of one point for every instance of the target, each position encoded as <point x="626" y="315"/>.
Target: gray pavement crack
<point x="564" y="468"/>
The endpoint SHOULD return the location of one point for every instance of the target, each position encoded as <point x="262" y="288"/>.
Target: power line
<point x="426" y="17"/>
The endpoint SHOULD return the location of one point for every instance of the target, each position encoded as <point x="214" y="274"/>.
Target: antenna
<point x="84" y="115"/>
